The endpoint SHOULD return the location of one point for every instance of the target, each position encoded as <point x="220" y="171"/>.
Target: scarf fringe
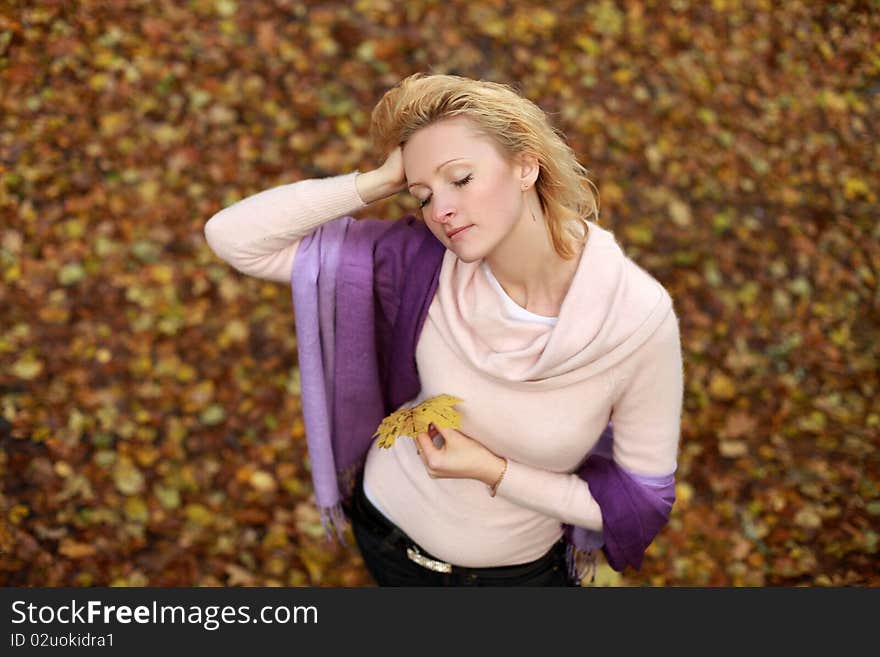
<point x="581" y="563"/>
<point x="333" y="518"/>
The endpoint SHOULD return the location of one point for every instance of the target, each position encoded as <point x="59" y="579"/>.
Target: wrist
<point x="497" y="476"/>
<point x="373" y="186"/>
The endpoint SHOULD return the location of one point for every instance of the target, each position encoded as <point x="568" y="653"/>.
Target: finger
<point x="422" y="444"/>
<point x="437" y="436"/>
<point x="428" y="453"/>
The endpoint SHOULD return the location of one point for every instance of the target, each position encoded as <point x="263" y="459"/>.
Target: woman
<point x="504" y="294"/>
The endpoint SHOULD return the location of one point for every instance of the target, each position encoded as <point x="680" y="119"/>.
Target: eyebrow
<point x="411" y="185"/>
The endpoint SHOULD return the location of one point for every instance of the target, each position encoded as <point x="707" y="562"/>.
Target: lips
<point x="458" y="230"/>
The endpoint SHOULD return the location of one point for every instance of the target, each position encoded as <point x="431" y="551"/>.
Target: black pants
<point x="383" y="547"/>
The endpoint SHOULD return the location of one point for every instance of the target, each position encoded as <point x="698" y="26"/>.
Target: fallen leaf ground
<point x="150" y="426"/>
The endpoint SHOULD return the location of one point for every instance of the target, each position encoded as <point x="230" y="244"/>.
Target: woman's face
<point x="460" y="180"/>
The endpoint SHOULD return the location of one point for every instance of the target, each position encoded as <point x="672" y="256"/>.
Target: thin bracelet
<point x="494" y="487"/>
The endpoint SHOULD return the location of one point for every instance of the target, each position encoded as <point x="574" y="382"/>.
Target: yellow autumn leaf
<point x="27" y="367"/>
<point x="75" y="550"/>
<point x="413" y="421"/>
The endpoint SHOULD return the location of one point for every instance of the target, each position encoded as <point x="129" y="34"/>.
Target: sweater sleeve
<point x="563" y="496"/>
<point x="647" y="409"/>
<point x="259" y="234"/>
<point x="646" y="417"/>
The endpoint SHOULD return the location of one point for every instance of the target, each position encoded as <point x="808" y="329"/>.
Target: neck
<point x="527" y="266"/>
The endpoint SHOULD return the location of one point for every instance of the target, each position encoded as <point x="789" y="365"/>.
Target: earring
<point x="531" y="212"/>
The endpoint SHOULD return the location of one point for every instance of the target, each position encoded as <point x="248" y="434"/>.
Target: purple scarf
<point x="357" y="365"/>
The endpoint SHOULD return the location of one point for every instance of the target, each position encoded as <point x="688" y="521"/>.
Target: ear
<point x="527" y="169"/>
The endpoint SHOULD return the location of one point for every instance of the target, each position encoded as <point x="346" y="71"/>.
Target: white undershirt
<point x="516" y="310"/>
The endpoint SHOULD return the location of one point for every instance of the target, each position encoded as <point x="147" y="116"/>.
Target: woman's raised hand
<point x="384" y="181"/>
<point x="392" y="169"/>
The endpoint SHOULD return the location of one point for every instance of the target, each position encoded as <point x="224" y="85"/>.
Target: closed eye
<point x="458" y="183"/>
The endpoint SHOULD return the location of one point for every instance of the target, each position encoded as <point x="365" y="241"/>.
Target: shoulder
<point x="659" y="355"/>
<point x="644" y="292"/>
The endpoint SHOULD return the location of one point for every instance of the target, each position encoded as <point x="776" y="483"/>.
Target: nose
<point x="442" y="212"/>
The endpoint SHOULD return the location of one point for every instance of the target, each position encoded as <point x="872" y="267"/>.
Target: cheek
<point x="501" y="203"/>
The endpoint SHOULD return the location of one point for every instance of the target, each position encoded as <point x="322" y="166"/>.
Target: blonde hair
<point x="514" y="124"/>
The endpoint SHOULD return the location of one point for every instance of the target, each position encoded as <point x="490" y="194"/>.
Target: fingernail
<point x="431" y="427"/>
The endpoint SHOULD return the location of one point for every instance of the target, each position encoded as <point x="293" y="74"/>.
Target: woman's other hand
<point x="458" y="456"/>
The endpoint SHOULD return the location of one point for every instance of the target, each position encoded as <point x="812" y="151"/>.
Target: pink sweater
<point x="536" y="390"/>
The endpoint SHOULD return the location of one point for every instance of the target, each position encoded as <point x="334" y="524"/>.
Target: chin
<point x="468" y="252"/>
<point x="468" y="257"/>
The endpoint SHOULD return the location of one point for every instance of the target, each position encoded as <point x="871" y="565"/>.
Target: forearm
<point x="373" y="186"/>
<point x="559" y="495"/>
<point x="258" y="235"/>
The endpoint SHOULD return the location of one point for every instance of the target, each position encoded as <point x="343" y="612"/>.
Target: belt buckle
<point x="414" y="555"/>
